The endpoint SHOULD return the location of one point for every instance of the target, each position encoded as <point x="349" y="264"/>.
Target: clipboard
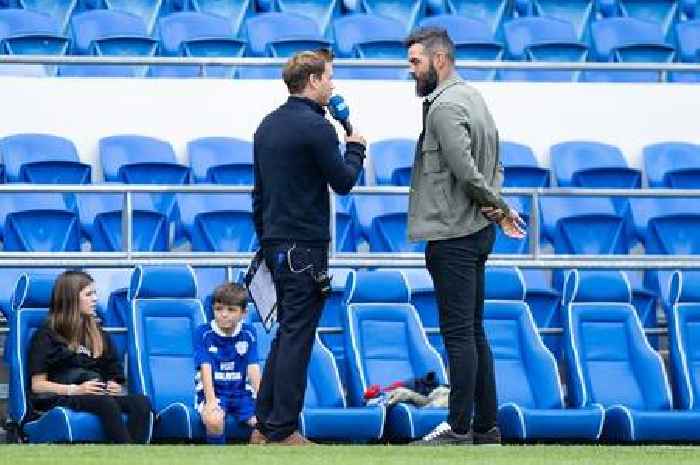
<point x="261" y="288"/>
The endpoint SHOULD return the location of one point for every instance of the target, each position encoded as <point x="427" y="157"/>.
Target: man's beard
<point x="425" y="86"/>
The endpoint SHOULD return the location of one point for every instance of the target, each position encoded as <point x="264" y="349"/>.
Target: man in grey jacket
<point x="454" y="201"/>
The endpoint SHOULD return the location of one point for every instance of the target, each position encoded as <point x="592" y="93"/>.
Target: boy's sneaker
<point x="443" y="435"/>
<point x="491" y="437"/>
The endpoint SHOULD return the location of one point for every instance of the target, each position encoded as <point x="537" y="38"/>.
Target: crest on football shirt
<point x="242" y="347"/>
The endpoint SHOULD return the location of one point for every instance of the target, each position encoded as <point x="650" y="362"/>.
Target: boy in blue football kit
<point x="226" y="357"/>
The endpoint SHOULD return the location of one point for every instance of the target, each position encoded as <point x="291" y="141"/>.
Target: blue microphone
<point x="340" y="111"/>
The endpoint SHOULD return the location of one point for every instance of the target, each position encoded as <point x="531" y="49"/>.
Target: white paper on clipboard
<point x="263" y="293"/>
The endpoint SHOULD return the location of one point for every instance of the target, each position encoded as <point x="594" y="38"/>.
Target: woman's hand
<point x="114" y="389"/>
<point x="92" y="387"/>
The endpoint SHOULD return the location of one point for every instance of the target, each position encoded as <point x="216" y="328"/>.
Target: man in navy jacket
<point x="296" y="157"/>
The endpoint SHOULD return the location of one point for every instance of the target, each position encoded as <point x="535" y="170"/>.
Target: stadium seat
<point x="24" y="32"/>
<point x="221" y="160"/>
<point x="542" y="39"/>
<point x="592" y="165"/>
<point x="672" y="165"/>
<point x="507" y="245"/>
<point x="59" y="10"/>
<point x="385" y="342"/>
<point x="59" y="424"/>
<point x="330" y="327"/>
<point x="663" y="12"/>
<point x="217" y="222"/>
<point x="473" y="40"/>
<point x="165" y="313"/>
<point x="346" y="239"/>
<point x="491" y="12"/>
<point x="644" y="301"/>
<point x="392" y="160"/>
<point x="605" y="341"/>
<point x="584" y="225"/>
<point x="18" y="202"/>
<point x="628" y="40"/>
<point x="134" y="159"/>
<point x="577" y="12"/>
<point x="192" y="34"/>
<point x="7" y="289"/>
<point x="389" y="233"/>
<point x="407" y="12"/>
<point x="683" y="338"/>
<point x="146" y="10"/>
<point x="235" y="11"/>
<point x="321" y="11"/>
<point x="520" y="167"/>
<point x="109" y="33"/>
<point x="544" y="302"/>
<point x="530" y="395"/>
<point x="688" y="47"/>
<point x="367" y="37"/>
<point x="42" y="159"/>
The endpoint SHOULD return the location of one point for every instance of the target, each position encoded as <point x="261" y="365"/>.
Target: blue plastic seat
<point x="134" y="159"/>
<point x="147" y="10"/>
<point x="544" y="302"/>
<point x="59" y="424"/>
<point x="369" y="36"/>
<point x="59" y="10"/>
<point x="605" y="342"/>
<point x="628" y="40"/>
<point x="577" y="12"/>
<point x="688" y="47"/>
<point x="321" y="11"/>
<point x="346" y="238"/>
<point x="165" y="314"/>
<point x="683" y="339"/>
<point x="672" y="165"/>
<point x="385" y="342"/>
<point x="592" y="165"/>
<point x="24" y="32"/>
<point x="109" y="33"/>
<point x="18" y="202"/>
<point x="330" y="327"/>
<point x="217" y="222"/>
<point x="542" y="39"/>
<point x="644" y="301"/>
<point x="520" y="167"/>
<point x="235" y="11"/>
<point x="192" y="34"/>
<point x="371" y="206"/>
<point x="491" y="12"/>
<point x="42" y="159"/>
<point x="530" y="394"/>
<point x="663" y="12"/>
<point x="392" y="160"/>
<point x="407" y="12"/>
<point x="221" y="160"/>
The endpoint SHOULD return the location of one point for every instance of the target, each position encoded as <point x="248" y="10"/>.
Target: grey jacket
<point x="457" y="169"/>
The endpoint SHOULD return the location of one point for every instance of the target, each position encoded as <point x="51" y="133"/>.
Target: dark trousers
<point x="110" y="408"/>
<point x="300" y="302"/>
<point x="457" y="267"/>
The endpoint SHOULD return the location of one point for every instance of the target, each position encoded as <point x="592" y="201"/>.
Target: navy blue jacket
<point x="296" y="157"/>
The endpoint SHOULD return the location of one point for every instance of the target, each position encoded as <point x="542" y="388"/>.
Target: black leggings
<point x="110" y="408"/>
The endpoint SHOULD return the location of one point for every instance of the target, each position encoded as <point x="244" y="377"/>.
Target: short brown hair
<point x="302" y="66"/>
<point x="231" y="294"/>
<point x="432" y="38"/>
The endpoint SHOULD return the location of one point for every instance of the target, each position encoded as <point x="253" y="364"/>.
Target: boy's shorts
<point x="241" y="407"/>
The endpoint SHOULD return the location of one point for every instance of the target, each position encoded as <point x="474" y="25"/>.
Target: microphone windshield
<point x="338" y="108"/>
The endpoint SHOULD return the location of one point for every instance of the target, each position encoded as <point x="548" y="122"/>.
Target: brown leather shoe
<point x="295" y="439"/>
<point x="257" y="438"/>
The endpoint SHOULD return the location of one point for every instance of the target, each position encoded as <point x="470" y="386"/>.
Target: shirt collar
<point x="451" y="80"/>
<point x="217" y="330"/>
<point x="314" y="105"/>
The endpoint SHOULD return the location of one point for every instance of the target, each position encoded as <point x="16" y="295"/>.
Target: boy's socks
<point x="216" y="440"/>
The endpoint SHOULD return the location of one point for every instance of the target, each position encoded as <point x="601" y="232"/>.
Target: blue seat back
<point x="605" y="341"/>
<point x="688" y="40"/>
<point x="235" y="11"/>
<point x="406" y="12"/>
<point x="323" y="388"/>
<point x="673" y="234"/>
<point x="42" y="231"/>
<point x="165" y="312"/>
<point x="95" y="25"/>
<point x="684" y="337"/>
<point x="117" y="151"/>
<point x="491" y="12"/>
<point x="221" y="160"/>
<point x="663" y="12"/>
<point x="146" y="10"/>
<point x="577" y="12"/>
<point x="321" y="11"/>
<point x="612" y="33"/>
<point x="521" y="33"/>
<point x="392" y="161"/>
<point x="177" y="28"/>
<point x="268" y="28"/>
<point x="58" y="11"/>
<point x="526" y="372"/>
<point x="360" y="28"/>
<point x="592" y="164"/>
<point x="238" y="208"/>
<point x="672" y="165"/>
<point x="646" y="208"/>
<point x="385" y="341"/>
<point x="387" y="230"/>
<point x="520" y="166"/>
<point x="21" y="149"/>
<point x="368" y="207"/>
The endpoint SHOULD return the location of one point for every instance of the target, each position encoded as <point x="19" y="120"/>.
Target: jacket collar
<point x="451" y="80"/>
<point x="315" y="106"/>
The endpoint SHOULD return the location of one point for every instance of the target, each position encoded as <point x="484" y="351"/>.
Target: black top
<point x="296" y="157"/>
<point x="49" y="354"/>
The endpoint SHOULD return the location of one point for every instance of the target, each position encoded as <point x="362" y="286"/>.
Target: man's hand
<point x="355" y="137"/>
<point x="513" y="225"/>
<point x="493" y="214"/>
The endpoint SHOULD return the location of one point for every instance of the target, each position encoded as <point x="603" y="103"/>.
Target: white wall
<point x="536" y="114"/>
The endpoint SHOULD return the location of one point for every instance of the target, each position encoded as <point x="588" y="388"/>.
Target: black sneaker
<point x="491" y="437"/>
<point x="443" y="435"/>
